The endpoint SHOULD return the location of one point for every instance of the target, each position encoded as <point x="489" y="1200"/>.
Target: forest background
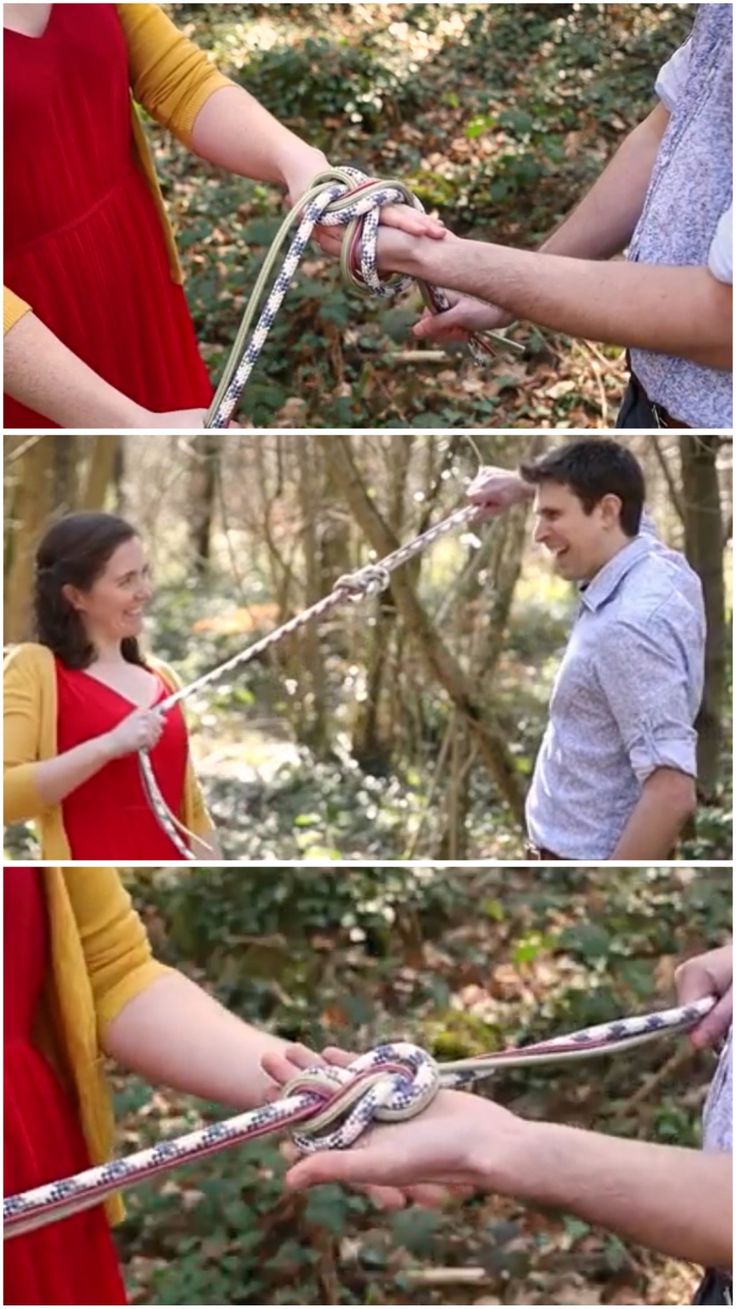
<point x="460" y="962"/>
<point x="498" y="116"/>
<point x="403" y="727"/>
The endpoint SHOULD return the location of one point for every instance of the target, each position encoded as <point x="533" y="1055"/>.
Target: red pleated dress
<point x="73" y="1261"/>
<point x="84" y="244"/>
<point x="109" y="816"/>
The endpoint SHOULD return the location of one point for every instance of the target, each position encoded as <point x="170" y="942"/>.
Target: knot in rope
<point x="388" y="1084"/>
<point x="369" y="580"/>
<point x="337" y="197"/>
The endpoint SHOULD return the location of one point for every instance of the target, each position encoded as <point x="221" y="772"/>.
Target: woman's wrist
<point x="298" y="163"/>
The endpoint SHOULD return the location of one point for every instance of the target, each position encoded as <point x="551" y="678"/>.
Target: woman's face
<point x="113" y="608"/>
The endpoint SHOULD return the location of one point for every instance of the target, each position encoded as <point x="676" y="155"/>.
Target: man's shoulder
<point x="662" y="584"/>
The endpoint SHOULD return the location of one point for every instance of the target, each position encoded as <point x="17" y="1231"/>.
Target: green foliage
<point x="496" y="123"/>
<point x="320" y="79"/>
<point x="442" y="958"/>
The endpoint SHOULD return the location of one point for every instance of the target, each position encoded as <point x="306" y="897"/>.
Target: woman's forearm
<point x="235" y="132"/>
<point x="177" y="1035"/>
<point x="56" y="778"/>
<point x="42" y="373"/>
<point x="674" y="1200"/>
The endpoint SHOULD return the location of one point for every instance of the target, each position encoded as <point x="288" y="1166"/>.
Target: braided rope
<point x="338" y="197"/>
<point x="350" y="589"/>
<point x="332" y="1106"/>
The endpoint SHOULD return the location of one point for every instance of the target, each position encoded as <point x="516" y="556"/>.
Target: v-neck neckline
<point x="142" y="708"/>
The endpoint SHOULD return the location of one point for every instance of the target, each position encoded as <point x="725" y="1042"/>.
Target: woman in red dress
<point x="80" y="984"/>
<point x="98" y="333"/>
<point x="82" y="701"/>
<point x="73" y="1261"/>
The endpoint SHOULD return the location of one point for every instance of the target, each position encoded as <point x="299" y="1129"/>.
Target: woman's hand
<point x="708" y="974"/>
<point x="281" y="1067"/>
<point x="191" y="419"/>
<point x="141" y="730"/>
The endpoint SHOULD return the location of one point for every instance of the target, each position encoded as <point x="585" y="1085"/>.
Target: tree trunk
<point x="100" y="471"/>
<point x="309" y="503"/>
<point x="205" y="451"/>
<point x="492" y="746"/>
<point x="26" y="520"/>
<point x="704" y="549"/>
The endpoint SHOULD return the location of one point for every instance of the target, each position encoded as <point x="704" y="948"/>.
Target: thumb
<point x="715" y="1024"/>
<point x="350" y="1166"/>
<point x="445" y="326"/>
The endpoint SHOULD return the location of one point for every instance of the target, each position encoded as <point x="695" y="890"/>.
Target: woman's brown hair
<point x="74" y="552"/>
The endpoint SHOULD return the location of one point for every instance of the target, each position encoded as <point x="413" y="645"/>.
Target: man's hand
<point x="459" y="323"/>
<point x="402" y="218"/>
<point x="446" y="1146"/>
<point x="708" y="974"/>
<point x="496" y="489"/>
<point x="281" y="1067"/>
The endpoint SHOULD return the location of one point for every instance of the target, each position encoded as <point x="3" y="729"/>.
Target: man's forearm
<point x="666" y="802"/>
<point x="604" y="221"/>
<point x="177" y="1035"/>
<point x="235" y="132"/>
<point x="678" y="311"/>
<point x="671" y="1199"/>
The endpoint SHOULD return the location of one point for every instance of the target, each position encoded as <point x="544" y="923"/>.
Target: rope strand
<point x="349" y="589"/>
<point x="332" y="1107"/>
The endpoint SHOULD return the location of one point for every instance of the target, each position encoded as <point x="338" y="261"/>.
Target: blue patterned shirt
<point x="718" y="1116"/>
<point x="686" y="219"/>
<point x="624" y="700"/>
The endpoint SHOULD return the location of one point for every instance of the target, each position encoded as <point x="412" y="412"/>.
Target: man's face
<point x="580" y="543"/>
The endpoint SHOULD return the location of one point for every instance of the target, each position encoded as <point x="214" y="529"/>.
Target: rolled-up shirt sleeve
<point x="720" y="255"/>
<point x="643" y="675"/>
<point x="672" y="76"/>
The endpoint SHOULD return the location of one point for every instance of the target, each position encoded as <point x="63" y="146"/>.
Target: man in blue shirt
<point x="666" y="195"/>
<point x="615" y="773"/>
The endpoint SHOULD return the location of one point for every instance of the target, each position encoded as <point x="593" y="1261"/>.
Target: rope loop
<point x="388" y="1084"/>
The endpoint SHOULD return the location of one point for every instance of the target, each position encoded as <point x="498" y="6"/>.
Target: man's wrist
<point x="502" y="1159"/>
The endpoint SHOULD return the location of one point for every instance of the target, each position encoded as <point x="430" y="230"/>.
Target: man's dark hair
<point x="592" y="468"/>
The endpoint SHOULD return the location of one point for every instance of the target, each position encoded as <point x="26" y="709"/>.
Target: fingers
<point x="715" y="1024"/>
<point x="334" y="1054"/>
<point x="352" y="1167"/>
<point x="284" y="1064"/>
<point x="692" y="981"/>
<point x="413" y="221"/>
<point x="440" y="327"/>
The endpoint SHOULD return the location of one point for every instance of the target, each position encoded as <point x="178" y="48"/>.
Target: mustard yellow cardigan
<point x="100" y="959"/>
<point x="171" y="78"/>
<point x="30" y="711"/>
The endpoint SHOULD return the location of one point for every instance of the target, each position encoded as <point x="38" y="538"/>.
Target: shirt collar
<point x="610" y="576"/>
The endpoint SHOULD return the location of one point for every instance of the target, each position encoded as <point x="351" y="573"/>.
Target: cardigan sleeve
<point x="169" y="75"/>
<point x="117" y="951"/>
<point x="22" y="707"/>
<point x="13" y="309"/>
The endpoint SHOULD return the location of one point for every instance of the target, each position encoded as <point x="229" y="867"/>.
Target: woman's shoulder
<point x="164" y="670"/>
<point x="29" y="657"/>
